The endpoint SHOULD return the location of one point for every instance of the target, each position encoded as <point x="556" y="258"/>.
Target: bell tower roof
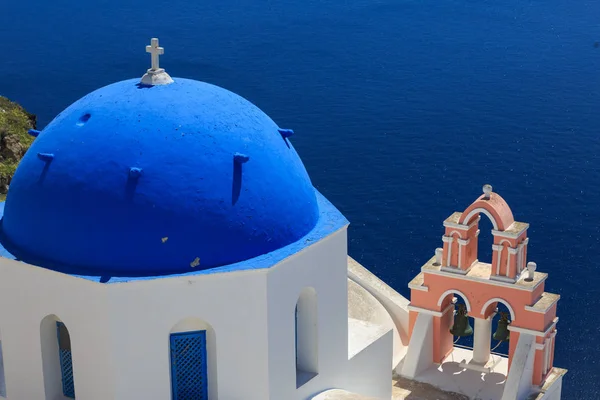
<point x="492" y="205"/>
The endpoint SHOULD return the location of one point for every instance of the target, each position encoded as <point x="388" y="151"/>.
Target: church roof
<point x="139" y="180"/>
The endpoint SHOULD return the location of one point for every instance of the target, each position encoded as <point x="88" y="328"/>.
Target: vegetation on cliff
<point x="14" y="139"/>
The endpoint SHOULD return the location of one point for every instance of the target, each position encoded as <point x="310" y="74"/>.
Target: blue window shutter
<point x="189" y="367"/>
<point x="66" y="360"/>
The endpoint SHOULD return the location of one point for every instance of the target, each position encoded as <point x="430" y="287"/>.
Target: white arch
<point x="447" y="292"/>
<point x="498" y="300"/>
<point x="481" y="210"/>
<point x="457" y="232"/>
<point x="506" y="241"/>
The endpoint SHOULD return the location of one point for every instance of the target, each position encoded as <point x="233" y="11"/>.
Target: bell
<point x="461" y="325"/>
<point x="502" y="333"/>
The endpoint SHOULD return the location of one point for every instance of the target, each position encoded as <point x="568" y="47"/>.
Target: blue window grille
<point x="189" y="375"/>
<point x="66" y="361"/>
<point x="2" y="381"/>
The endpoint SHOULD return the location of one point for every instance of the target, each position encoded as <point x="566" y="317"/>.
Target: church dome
<point x="140" y="180"/>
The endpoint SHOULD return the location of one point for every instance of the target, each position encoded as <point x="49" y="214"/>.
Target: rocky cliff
<point x="14" y="139"/>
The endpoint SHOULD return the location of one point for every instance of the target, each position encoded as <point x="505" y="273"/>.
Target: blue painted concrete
<point x="142" y="181"/>
<point x="330" y="220"/>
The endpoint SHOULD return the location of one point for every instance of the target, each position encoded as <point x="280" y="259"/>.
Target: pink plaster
<point x="538" y="365"/>
<point x="478" y="292"/>
<point x="496" y="206"/>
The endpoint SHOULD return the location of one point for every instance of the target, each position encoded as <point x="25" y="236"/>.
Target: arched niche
<point x="198" y="330"/>
<point x="57" y="358"/>
<point x="306" y="336"/>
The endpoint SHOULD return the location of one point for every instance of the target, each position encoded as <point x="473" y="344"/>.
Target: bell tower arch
<point x="507" y="278"/>
<point x="509" y="247"/>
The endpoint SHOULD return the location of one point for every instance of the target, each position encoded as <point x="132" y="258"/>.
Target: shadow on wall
<point x="306" y="334"/>
<point x="2" y="377"/>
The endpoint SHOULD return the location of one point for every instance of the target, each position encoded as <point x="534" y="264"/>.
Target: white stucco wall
<point x="28" y="295"/>
<point x="120" y="332"/>
<point x="369" y="371"/>
<point x="322" y="267"/>
<point x="143" y="314"/>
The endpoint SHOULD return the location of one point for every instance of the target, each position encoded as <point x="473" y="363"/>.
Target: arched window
<point x="458" y="298"/>
<point x="66" y="360"/>
<point x="2" y="377"/>
<point x="193" y="360"/>
<point x="306" y="335"/>
<point x="498" y="306"/>
<point x="57" y="360"/>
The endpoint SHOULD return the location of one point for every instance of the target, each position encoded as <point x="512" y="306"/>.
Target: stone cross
<point x="154" y="51"/>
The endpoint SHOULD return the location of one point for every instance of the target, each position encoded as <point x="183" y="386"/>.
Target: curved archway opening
<point x="461" y="305"/>
<point x="503" y="315"/>
<point x="484" y="253"/>
<point x="193" y="359"/>
<point x="306" y="336"/>
<point x="57" y="358"/>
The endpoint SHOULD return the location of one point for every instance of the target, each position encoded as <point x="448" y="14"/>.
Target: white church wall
<point x="2" y="382"/>
<point x="322" y="267"/>
<point x="369" y="371"/>
<point x="80" y="304"/>
<point x="233" y="305"/>
<point x="307" y="335"/>
<point x="120" y="332"/>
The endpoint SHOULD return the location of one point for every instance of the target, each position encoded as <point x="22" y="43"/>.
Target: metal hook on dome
<point x="240" y="158"/>
<point x="135" y="172"/>
<point x="34" y="132"/>
<point x="286" y="133"/>
<point x="46" y="156"/>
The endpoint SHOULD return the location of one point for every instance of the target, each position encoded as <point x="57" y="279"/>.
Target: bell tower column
<point x="482" y="339"/>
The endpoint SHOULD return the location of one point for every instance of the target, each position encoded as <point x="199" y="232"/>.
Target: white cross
<point x="155" y="51"/>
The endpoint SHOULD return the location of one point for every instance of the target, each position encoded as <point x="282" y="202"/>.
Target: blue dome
<point x="134" y="180"/>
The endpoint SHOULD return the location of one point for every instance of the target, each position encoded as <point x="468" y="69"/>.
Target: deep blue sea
<point x="402" y="110"/>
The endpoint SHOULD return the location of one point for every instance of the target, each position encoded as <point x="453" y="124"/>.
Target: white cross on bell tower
<point x="155" y="75"/>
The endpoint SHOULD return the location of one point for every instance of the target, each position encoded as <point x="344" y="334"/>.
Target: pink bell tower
<point x="509" y="279"/>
